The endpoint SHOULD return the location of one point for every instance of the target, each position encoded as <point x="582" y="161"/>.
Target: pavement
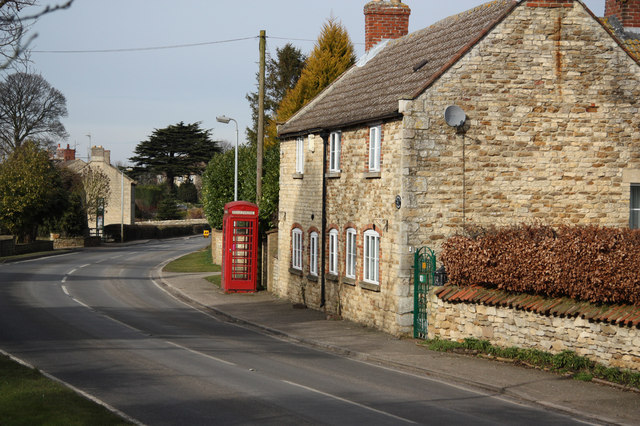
<point x="594" y="402"/>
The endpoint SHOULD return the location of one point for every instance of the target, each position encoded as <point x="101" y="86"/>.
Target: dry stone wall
<point x="612" y="345"/>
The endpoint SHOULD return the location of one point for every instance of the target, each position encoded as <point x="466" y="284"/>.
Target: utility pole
<point x="260" y="141"/>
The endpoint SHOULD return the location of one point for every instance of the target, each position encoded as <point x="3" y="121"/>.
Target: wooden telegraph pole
<point x="260" y="141"/>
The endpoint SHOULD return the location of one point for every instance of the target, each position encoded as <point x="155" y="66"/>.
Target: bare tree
<point x="97" y="190"/>
<point x="14" y="27"/>
<point x="30" y="108"/>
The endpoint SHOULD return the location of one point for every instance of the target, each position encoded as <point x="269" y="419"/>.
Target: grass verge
<point x="29" y="398"/>
<point x="565" y="362"/>
<point x="199" y="261"/>
<point x="215" y="280"/>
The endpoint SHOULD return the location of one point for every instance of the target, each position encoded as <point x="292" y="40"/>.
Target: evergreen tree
<point x="332" y="55"/>
<point x="177" y="150"/>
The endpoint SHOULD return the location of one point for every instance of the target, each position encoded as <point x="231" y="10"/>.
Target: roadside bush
<point x="148" y="198"/>
<point x="187" y="192"/>
<point x="599" y="265"/>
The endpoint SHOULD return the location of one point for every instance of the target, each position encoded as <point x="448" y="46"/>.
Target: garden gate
<point x="424" y="269"/>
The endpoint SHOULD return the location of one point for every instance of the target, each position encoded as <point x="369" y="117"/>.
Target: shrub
<point x="187" y="192"/>
<point x="599" y="265"/>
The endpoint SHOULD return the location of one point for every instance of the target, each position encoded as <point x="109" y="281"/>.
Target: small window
<point x="296" y="249"/>
<point x="350" y="254"/>
<point x="374" y="148"/>
<point x="334" y="151"/>
<point x="313" y="253"/>
<point x="333" y="252"/>
<point x="300" y="155"/>
<point x="634" y="213"/>
<point x="371" y="257"/>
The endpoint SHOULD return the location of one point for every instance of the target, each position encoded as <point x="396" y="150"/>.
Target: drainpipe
<point x="325" y="142"/>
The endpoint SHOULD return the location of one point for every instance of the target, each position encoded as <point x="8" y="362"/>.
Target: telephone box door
<point x="240" y="248"/>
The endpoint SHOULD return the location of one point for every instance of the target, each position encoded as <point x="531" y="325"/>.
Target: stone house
<point x="371" y="171"/>
<point x="122" y="186"/>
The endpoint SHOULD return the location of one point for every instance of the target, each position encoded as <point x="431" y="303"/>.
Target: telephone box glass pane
<point x="241" y="250"/>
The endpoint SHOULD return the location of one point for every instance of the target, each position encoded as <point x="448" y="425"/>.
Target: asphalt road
<point x="96" y="320"/>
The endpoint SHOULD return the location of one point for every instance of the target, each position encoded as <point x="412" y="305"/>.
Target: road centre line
<point x="384" y="413"/>
<point x="200" y="353"/>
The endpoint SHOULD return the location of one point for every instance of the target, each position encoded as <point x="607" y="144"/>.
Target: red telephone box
<point x="240" y="247"/>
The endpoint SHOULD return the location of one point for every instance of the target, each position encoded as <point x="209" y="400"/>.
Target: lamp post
<point x="224" y="119"/>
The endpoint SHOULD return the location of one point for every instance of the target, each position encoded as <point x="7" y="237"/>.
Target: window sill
<point x="332" y="277"/>
<point x="333" y="175"/>
<point x="294" y="271"/>
<point x="371" y="175"/>
<point x="349" y="281"/>
<point x="369" y="286"/>
<point x="313" y="278"/>
<point x="297" y="176"/>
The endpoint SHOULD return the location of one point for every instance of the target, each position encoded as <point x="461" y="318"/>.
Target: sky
<point x="117" y="99"/>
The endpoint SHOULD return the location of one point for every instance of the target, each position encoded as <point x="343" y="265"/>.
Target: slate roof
<point x="622" y="315"/>
<point x="401" y="70"/>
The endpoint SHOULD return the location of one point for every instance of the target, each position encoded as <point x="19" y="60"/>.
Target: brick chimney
<point x="385" y="19"/>
<point x="627" y="12"/>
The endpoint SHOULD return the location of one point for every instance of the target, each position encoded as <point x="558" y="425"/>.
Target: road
<point x="96" y="320"/>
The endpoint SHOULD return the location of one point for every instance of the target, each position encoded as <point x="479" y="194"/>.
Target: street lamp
<point x="224" y="119"/>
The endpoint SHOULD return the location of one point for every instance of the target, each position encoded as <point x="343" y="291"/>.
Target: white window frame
<point x="313" y="254"/>
<point x="634" y="206"/>
<point x="350" y="254"/>
<point x="335" y="140"/>
<point x="333" y="252"/>
<point x="296" y="249"/>
<point x="300" y="155"/>
<point x="375" y="139"/>
<point x="371" y="257"/>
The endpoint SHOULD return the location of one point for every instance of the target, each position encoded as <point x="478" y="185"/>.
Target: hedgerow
<point x="590" y="263"/>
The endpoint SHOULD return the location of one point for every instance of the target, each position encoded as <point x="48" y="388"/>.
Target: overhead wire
<point x="175" y="46"/>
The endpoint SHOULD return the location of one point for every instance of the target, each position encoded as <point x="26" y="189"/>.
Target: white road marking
<point x="384" y="413"/>
<point x="200" y="353"/>
<point x="64" y="288"/>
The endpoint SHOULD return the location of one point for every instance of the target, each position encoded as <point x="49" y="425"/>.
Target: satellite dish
<point x="455" y="116"/>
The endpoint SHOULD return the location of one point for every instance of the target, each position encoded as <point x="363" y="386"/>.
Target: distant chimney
<point x="383" y="20"/>
<point x="98" y="153"/>
<point x="627" y="12"/>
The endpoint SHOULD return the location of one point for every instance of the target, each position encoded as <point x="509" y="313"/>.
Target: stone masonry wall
<point x="608" y="344"/>
<point x="552" y="107"/>
<point x="355" y="199"/>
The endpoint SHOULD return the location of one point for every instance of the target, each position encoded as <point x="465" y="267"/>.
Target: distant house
<point x="371" y="170"/>
<point x="122" y="187"/>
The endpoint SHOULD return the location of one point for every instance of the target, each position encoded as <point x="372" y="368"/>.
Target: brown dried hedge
<point x="600" y="265"/>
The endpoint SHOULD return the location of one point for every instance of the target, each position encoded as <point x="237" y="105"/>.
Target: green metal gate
<point x="424" y="269"/>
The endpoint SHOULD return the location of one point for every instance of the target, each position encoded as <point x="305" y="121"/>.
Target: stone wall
<point x="551" y="135"/>
<point x="612" y="345"/>
<point x="355" y="199"/>
<point x="216" y="246"/>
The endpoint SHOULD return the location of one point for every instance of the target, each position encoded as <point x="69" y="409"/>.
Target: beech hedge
<point x="590" y="263"/>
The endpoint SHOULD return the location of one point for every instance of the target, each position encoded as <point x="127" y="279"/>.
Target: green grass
<point x="199" y="261"/>
<point x="29" y="398"/>
<point x="565" y="362"/>
<point x="215" y="280"/>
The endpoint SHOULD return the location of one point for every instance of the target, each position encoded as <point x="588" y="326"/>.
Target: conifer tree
<point x="332" y="55"/>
